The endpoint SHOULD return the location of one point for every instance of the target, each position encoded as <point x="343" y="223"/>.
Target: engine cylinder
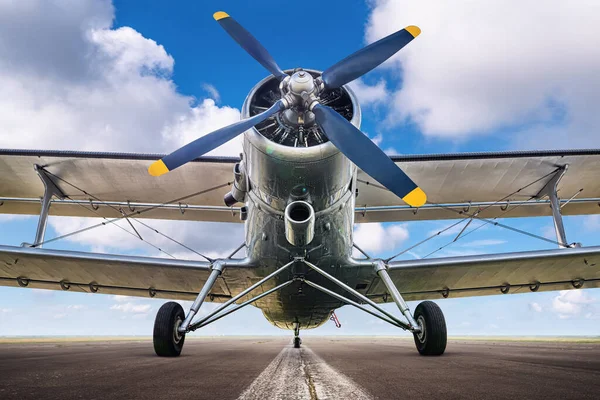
<point x="299" y="223"/>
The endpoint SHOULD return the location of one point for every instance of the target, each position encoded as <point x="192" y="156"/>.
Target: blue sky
<point x="131" y="78"/>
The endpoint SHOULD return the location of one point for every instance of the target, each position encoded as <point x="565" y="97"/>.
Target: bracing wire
<point x="128" y="216"/>
<point x="474" y="216"/>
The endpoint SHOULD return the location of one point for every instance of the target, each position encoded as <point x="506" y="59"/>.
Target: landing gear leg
<point x="171" y="323"/>
<point x="430" y="335"/>
<point x="428" y="324"/>
<point x="297" y="340"/>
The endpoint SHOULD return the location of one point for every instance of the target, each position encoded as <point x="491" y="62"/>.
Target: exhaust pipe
<point x="239" y="189"/>
<point x="299" y="223"/>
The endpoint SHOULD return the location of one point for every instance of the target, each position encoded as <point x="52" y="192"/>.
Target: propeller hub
<point x="300" y="82"/>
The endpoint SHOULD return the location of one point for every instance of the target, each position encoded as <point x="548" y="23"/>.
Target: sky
<point x="103" y="75"/>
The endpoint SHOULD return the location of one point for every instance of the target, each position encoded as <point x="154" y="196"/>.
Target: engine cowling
<point x="290" y="149"/>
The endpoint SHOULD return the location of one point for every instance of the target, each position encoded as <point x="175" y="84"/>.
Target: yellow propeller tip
<point x="220" y="15"/>
<point x="158" y="168"/>
<point x="416" y="197"/>
<point x="413" y="30"/>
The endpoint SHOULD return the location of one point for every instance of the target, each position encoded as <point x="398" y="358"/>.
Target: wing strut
<point x="50" y="191"/>
<point x="47" y="175"/>
<point x="551" y="190"/>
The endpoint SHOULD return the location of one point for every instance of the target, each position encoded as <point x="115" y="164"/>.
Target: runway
<point x="325" y="368"/>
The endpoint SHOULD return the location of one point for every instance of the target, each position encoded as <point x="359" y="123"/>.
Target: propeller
<point x="356" y="65"/>
<point x="346" y="137"/>
<point x="249" y="43"/>
<point x="209" y="142"/>
<point x="365" y="154"/>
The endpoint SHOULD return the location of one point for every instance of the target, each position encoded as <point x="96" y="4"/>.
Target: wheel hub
<point x="176" y="335"/>
<point x="422" y="335"/>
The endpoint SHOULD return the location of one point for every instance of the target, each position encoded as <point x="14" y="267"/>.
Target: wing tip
<point x="220" y="15"/>
<point x="158" y="168"/>
<point x="413" y="30"/>
<point x="415" y="198"/>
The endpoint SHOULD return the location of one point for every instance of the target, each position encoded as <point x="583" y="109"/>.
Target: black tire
<point x="167" y="341"/>
<point x="432" y="340"/>
<point x="297" y="342"/>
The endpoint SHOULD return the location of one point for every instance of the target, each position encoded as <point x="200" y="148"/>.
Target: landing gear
<point x="297" y="340"/>
<point x="168" y="341"/>
<point x="431" y="340"/>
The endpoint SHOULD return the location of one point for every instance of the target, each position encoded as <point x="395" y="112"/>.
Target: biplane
<point x="307" y="174"/>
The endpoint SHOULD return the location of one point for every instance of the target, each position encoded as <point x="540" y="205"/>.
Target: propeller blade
<point x="209" y="142"/>
<point x="249" y="43"/>
<point x="367" y="58"/>
<point x="365" y="154"/>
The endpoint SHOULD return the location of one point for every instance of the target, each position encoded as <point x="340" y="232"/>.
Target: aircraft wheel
<point x="431" y="341"/>
<point x="168" y="341"/>
<point x="297" y="342"/>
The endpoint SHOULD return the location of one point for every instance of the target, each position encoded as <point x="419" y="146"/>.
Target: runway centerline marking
<point x="301" y="374"/>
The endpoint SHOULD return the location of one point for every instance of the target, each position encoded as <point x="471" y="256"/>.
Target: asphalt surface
<point x="252" y="368"/>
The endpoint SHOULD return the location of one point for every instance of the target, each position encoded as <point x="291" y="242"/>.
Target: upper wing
<point x="116" y="179"/>
<point x="451" y="181"/>
<point x="481" y="275"/>
<point x="481" y="179"/>
<point x="113" y="274"/>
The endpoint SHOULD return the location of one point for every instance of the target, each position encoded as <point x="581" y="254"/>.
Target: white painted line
<point x="302" y="375"/>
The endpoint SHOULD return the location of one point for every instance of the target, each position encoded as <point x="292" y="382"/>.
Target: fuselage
<point x="276" y="175"/>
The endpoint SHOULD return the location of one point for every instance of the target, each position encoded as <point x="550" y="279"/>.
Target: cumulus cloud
<point x="370" y="94"/>
<point x="570" y="303"/>
<point x="535" y="307"/>
<point x="211" y="238"/>
<point x="212" y="91"/>
<point x="375" y="237"/>
<point x="483" y="66"/>
<point x="201" y="120"/>
<point x="127" y="52"/>
<point x="75" y="83"/>
<point x="377" y="139"/>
